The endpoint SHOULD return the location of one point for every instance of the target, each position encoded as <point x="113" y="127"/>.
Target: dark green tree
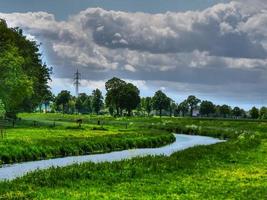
<point x="263" y="112"/>
<point x="129" y="98"/>
<point x="114" y="89"/>
<point x="225" y="111"/>
<point x="172" y="107"/>
<point x="80" y="103"/>
<point x="193" y="103"/>
<point x="148" y="105"/>
<point x="237" y="112"/>
<point x="49" y="97"/>
<point x="160" y="101"/>
<point x="183" y="108"/>
<point x="62" y="99"/>
<point x="2" y="109"/>
<point x="207" y="108"/>
<point x="97" y="101"/>
<point x="254" y="113"/>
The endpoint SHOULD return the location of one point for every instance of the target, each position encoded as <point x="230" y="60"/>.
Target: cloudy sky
<point x="214" y="49"/>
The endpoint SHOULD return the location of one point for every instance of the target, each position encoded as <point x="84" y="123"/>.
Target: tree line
<point x="123" y="99"/>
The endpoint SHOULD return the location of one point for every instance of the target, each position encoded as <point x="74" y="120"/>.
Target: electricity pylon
<point x="77" y="78"/>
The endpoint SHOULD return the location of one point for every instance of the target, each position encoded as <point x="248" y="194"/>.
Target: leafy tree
<point x="80" y="103"/>
<point x="160" y="101"/>
<point x="237" y="112"/>
<point x="148" y="105"/>
<point x="62" y="99"/>
<point x="22" y="71"/>
<point x="263" y="112"/>
<point x="254" y="113"/>
<point x="225" y="110"/>
<point x="192" y="102"/>
<point x="14" y="83"/>
<point x="183" y="107"/>
<point x="172" y="107"/>
<point x="47" y="99"/>
<point x="2" y="109"/>
<point x="114" y="89"/>
<point x="207" y="108"/>
<point x="87" y="104"/>
<point x="129" y="98"/>
<point x="97" y="101"/>
<point x="71" y="105"/>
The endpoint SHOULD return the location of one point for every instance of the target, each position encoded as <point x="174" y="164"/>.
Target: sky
<point x="214" y="49"/>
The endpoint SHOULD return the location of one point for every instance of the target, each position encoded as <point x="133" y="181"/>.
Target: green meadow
<point x="236" y="169"/>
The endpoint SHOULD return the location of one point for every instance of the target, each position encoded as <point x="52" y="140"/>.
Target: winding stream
<point x="10" y="172"/>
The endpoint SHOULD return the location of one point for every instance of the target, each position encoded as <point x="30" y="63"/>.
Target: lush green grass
<point x="232" y="170"/>
<point x="28" y="142"/>
<point x="236" y="169"/>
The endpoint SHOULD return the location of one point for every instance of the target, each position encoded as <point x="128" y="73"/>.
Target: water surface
<point x="9" y="172"/>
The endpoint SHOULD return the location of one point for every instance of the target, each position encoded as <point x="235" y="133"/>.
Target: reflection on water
<point x="13" y="171"/>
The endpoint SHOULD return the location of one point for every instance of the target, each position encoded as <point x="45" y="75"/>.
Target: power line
<point x="77" y="78"/>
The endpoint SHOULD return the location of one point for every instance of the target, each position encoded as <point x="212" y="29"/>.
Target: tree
<point x="23" y="75"/>
<point x="160" y="101"/>
<point x="172" y="107"/>
<point x="15" y="86"/>
<point x="62" y="99"/>
<point x="237" y="112"/>
<point x="148" y="105"/>
<point x="183" y="107"/>
<point x="97" y="101"/>
<point x="80" y="103"/>
<point x="129" y="98"/>
<point x="192" y="102"/>
<point x="207" y="108"/>
<point x="47" y="99"/>
<point x="114" y="89"/>
<point x="263" y="112"/>
<point x="2" y="109"/>
<point x="254" y="113"/>
<point x="225" y="110"/>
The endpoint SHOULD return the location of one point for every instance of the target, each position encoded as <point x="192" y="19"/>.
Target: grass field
<point x="236" y="169"/>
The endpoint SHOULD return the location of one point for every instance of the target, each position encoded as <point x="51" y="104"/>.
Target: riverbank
<point x="10" y="172"/>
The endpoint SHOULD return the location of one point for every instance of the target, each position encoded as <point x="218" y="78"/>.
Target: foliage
<point x="23" y="75"/>
<point x="225" y="110"/>
<point x="14" y="83"/>
<point x="148" y="105"/>
<point x="121" y="95"/>
<point x="63" y="99"/>
<point x="207" y="108"/>
<point x="160" y="101"/>
<point x="83" y="103"/>
<point x="263" y="112"/>
<point x="129" y="97"/>
<point x="183" y="108"/>
<point x="254" y="113"/>
<point x="2" y="109"/>
<point x="97" y="101"/>
<point x="237" y="112"/>
<point x="192" y="102"/>
<point x="114" y="87"/>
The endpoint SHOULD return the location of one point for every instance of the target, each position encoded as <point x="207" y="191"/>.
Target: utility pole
<point x="77" y="78"/>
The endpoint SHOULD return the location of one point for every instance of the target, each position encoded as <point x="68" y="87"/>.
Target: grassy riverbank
<point x="235" y="169"/>
<point x="40" y="140"/>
